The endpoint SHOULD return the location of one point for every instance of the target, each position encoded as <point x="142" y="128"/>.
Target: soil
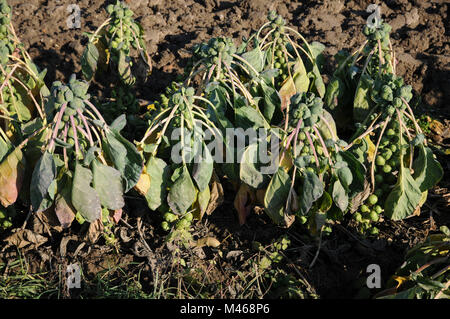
<point x="422" y="44"/>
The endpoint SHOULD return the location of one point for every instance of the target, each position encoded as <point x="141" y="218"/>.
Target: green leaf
<point x="404" y="197"/>
<point x="326" y="202"/>
<point x="182" y="194"/>
<point x="249" y="117"/>
<point x="4" y="148"/>
<point x="203" y="169"/>
<point x="323" y="128"/>
<point x="44" y="174"/>
<point x="340" y="196"/>
<point x="358" y="172"/>
<point x="158" y="171"/>
<point x="89" y="61"/>
<point x="119" y="123"/>
<point x="361" y="104"/>
<point x="249" y="172"/>
<point x="21" y="110"/>
<point x="203" y="200"/>
<point x="125" y="158"/>
<point x="276" y="196"/>
<point x="272" y="101"/>
<point x="310" y="191"/>
<point x="32" y="126"/>
<point x="107" y="182"/>
<point x="301" y="79"/>
<point x="427" y="170"/>
<point x="255" y="58"/>
<point x="12" y="172"/>
<point x="318" y="81"/>
<point x="124" y="68"/>
<point x="84" y="198"/>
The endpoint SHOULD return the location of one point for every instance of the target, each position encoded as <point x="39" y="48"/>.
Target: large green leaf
<point x="276" y="196"/>
<point x="255" y="58"/>
<point x="249" y="172"/>
<point x="427" y="170"/>
<point x="12" y="171"/>
<point x="84" y="198"/>
<point x="203" y="169"/>
<point x="272" y="101"/>
<point x="311" y="190"/>
<point x="301" y="79"/>
<point x="361" y="104"/>
<point x="124" y="69"/>
<point x="125" y="158"/>
<point x="182" y="194"/>
<point x="404" y="197"/>
<point x="43" y="176"/>
<point x="318" y="81"/>
<point x="358" y="172"/>
<point x="107" y="181"/>
<point x="340" y="196"/>
<point x="89" y="61"/>
<point x="249" y="117"/>
<point x="323" y="127"/>
<point x="158" y="171"/>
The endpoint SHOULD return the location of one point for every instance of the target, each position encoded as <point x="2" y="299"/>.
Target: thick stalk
<point x="372" y="170"/>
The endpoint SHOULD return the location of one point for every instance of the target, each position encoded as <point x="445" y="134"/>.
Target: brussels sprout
<point x="357" y="217"/>
<point x="68" y="95"/>
<point x="302" y="136"/>
<point x="170" y="217"/>
<point x="60" y="97"/>
<point x="387" y="154"/>
<point x="373" y="199"/>
<point x="378" y="209"/>
<point x="364" y="209"/>
<point x="77" y="103"/>
<point x="374" y="216"/>
<point x="188" y="217"/>
<point x="128" y="13"/>
<point x="366" y="30"/>
<point x="390" y="110"/>
<point x="380" y="161"/>
<point x="386" y="93"/>
<point x="70" y="111"/>
<point x="110" y="9"/>
<point x="387" y="168"/>
<point x="165" y="226"/>
<point x="182" y="224"/>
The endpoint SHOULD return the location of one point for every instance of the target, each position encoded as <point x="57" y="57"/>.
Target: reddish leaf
<point x="12" y="171"/>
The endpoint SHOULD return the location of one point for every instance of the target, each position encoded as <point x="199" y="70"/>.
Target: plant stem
<point x="372" y="170"/>
<point x="75" y="136"/>
<point x="86" y="125"/>
<point x="308" y="136"/>
<point x="56" y="126"/>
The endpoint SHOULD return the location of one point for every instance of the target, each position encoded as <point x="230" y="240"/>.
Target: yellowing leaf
<point x="243" y="202"/>
<point x="400" y="280"/>
<point x="371" y="149"/>
<point x="207" y="241"/>
<point x="286" y="92"/>
<point x="143" y="184"/>
<point x="12" y="171"/>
